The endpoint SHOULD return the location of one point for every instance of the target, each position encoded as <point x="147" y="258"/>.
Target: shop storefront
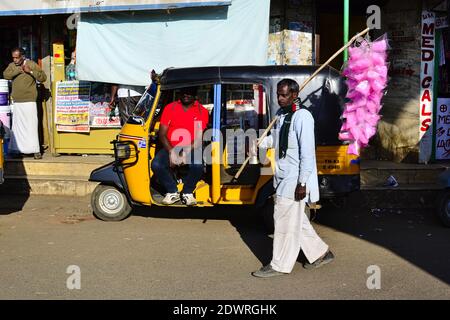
<point x="75" y="117"/>
<point x="303" y="32"/>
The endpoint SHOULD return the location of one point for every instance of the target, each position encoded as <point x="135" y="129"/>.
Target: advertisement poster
<point x="443" y="129"/>
<point x="426" y="86"/>
<point x="100" y="115"/>
<point x="290" y="48"/>
<point x="81" y="105"/>
<point x="72" y="106"/>
<point x="297" y="48"/>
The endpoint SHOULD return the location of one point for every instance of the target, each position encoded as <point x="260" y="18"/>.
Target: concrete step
<point x="68" y="175"/>
<point x="47" y="185"/>
<point x="67" y="166"/>
<point x="374" y="175"/>
<point x="64" y="175"/>
<point x="390" y="200"/>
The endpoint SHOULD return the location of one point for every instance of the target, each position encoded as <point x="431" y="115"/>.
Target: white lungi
<point x="293" y="232"/>
<point x="24" y="129"/>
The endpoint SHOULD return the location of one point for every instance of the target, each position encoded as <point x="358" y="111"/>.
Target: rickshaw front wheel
<point x="110" y="204"/>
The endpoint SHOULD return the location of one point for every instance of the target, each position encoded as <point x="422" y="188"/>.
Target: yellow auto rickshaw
<point x="239" y="99"/>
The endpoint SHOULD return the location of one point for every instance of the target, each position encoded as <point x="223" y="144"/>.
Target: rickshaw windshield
<point x="143" y="107"/>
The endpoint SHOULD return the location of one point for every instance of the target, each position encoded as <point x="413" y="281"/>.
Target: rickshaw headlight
<point x="123" y="151"/>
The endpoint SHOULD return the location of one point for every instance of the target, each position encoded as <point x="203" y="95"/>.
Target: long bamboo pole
<point x="272" y="123"/>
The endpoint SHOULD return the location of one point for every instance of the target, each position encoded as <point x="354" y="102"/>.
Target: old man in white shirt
<point x="295" y="184"/>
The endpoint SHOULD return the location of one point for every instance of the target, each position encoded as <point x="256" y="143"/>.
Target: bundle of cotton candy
<point x="367" y="76"/>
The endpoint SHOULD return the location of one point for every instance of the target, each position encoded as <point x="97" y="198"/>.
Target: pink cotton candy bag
<point x="367" y="77"/>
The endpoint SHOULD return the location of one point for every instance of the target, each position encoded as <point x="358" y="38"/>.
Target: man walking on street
<point x="24" y="73"/>
<point x="295" y="183"/>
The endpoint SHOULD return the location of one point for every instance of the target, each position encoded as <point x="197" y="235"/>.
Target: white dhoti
<point x="293" y="232"/>
<point x="24" y="129"/>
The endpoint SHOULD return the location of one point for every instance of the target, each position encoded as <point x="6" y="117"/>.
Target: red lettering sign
<point x="427" y="42"/>
<point x="427" y="55"/>
<point x="425" y="125"/>
<point x="426" y="82"/>
<point x="423" y="113"/>
<point x="426" y="96"/>
<point x="428" y="28"/>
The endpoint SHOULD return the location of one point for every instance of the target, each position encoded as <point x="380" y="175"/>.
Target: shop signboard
<point x="443" y="129"/>
<point x="426" y="86"/>
<point x="81" y="105"/>
<point x="72" y="106"/>
<point x="29" y="7"/>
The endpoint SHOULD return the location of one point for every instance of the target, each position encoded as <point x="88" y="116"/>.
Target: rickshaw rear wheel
<point x="110" y="204"/>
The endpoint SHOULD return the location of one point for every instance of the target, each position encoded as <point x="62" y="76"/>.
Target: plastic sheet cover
<point x="124" y="47"/>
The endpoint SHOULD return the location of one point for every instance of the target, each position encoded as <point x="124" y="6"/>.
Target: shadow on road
<point x="245" y="220"/>
<point x="413" y="234"/>
<point x="12" y="203"/>
<point x="14" y="193"/>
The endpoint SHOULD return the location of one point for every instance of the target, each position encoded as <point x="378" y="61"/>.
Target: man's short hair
<point x="291" y="84"/>
<point x="20" y="50"/>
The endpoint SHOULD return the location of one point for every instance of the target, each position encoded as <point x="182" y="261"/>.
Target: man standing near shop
<point x="296" y="183"/>
<point x="24" y="74"/>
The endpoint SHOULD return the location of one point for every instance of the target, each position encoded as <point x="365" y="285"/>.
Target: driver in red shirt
<point x="181" y="130"/>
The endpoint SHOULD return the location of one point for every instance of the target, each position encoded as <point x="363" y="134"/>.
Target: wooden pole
<point x="333" y="57"/>
<point x="272" y="123"/>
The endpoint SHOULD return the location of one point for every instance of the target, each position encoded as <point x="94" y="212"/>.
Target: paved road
<point x="178" y="254"/>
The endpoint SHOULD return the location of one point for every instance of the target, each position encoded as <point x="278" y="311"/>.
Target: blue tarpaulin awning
<point x="124" y="47"/>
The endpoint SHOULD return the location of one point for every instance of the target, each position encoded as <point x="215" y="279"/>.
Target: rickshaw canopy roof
<point x="173" y="78"/>
<point x="324" y="96"/>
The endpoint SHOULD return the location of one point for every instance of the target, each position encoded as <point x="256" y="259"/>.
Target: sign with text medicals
<point x="443" y="129"/>
<point x="72" y="106"/>
<point x="426" y="86"/>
